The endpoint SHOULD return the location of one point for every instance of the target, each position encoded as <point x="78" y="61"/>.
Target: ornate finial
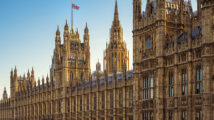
<point x="86" y="28"/>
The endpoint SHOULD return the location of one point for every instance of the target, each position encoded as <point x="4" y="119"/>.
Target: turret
<point x="39" y="82"/>
<point x="13" y="82"/>
<point x="98" y="66"/>
<point x="66" y="38"/>
<point x="15" y="78"/>
<point x="87" y="47"/>
<point x="28" y="75"/>
<point x="43" y="81"/>
<point x="5" y="96"/>
<point x="137" y="8"/>
<point x="86" y="34"/>
<point x="15" y="73"/>
<point x="199" y="8"/>
<point x="207" y="26"/>
<point x="47" y="80"/>
<point x="24" y="81"/>
<point x="58" y="37"/>
<point x="32" y="76"/>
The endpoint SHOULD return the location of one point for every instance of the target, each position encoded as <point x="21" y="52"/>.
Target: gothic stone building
<point x="172" y="77"/>
<point x="173" y="60"/>
<point x="72" y="93"/>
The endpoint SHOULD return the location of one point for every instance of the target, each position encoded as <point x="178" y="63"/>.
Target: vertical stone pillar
<point x="206" y="83"/>
<point x="124" y="102"/>
<point x="160" y="91"/>
<point x="136" y="96"/>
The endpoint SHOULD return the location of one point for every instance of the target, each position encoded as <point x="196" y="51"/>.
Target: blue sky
<point x="27" y="31"/>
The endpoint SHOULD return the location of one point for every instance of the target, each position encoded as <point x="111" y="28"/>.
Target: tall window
<point x="148" y="43"/>
<point x="170" y="115"/>
<point x="59" y="106"/>
<point x="184" y="115"/>
<point x="151" y="86"/>
<point x="148" y="86"/>
<point x="121" y="98"/>
<point x="87" y="102"/>
<point x="147" y="115"/>
<point x="198" y="80"/>
<point x="171" y="84"/>
<point x="130" y="97"/>
<point x="111" y="100"/>
<point x="68" y="107"/>
<point x="95" y="102"/>
<point x="80" y="103"/>
<point x="71" y="76"/>
<point x="184" y="82"/>
<point x="198" y="115"/>
<point x="81" y="77"/>
<point x="74" y="105"/>
<point x="103" y="101"/>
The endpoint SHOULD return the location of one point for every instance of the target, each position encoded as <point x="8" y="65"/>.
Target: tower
<point x="116" y="53"/>
<point x="87" y="51"/>
<point x="13" y="82"/>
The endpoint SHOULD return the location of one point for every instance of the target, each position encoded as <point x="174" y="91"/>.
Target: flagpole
<point x="72" y="14"/>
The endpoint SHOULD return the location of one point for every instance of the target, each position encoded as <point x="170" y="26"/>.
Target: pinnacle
<point x="116" y="14"/>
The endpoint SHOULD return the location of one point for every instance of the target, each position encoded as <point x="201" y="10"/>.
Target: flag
<point x="75" y="7"/>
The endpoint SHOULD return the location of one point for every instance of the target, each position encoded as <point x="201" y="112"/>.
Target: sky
<point x="27" y="31"/>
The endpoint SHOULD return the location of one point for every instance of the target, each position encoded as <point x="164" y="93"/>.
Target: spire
<point x="66" y="26"/>
<point x="32" y="71"/>
<point x="15" y="73"/>
<point x="5" y="94"/>
<point x="116" y="14"/>
<point x="28" y="74"/>
<point x="86" y="28"/>
<point x="47" y="79"/>
<point x="11" y="74"/>
<point x="58" y="31"/>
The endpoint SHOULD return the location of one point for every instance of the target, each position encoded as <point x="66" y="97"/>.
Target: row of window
<point x="148" y="84"/>
<point x="149" y="115"/>
<point x="95" y="101"/>
<point x="198" y="115"/>
<point x="198" y="88"/>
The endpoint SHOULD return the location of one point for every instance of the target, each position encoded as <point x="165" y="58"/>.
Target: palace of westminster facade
<point x="172" y="76"/>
